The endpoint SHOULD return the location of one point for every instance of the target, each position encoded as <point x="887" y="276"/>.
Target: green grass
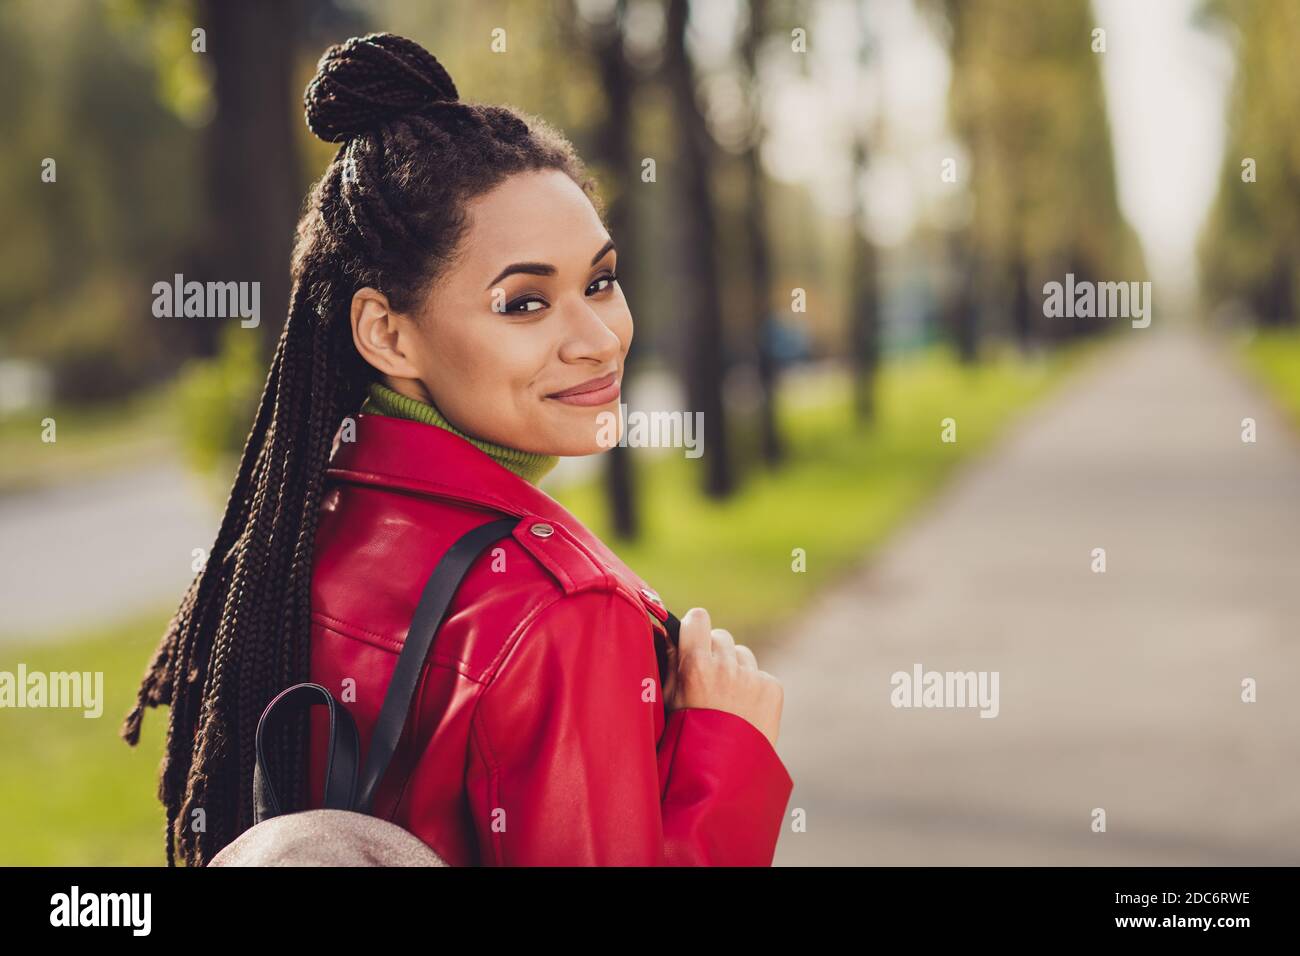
<point x="1273" y="357"/>
<point x="76" y="794"/>
<point x="88" y="439"/>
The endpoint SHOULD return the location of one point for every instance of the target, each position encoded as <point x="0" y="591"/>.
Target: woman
<point x="456" y="324"/>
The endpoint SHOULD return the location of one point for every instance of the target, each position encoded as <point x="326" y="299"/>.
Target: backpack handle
<point x="344" y="750"/>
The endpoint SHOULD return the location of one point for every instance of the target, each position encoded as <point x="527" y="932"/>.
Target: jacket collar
<point x="415" y="457"/>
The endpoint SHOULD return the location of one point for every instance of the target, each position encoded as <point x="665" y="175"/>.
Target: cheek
<point x="463" y="355"/>
<point x="500" y="361"/>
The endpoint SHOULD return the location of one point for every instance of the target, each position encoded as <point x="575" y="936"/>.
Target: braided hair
<point x="389" y="213"/>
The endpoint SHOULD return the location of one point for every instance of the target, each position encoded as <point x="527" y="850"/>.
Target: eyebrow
<point x="543" y="268"/>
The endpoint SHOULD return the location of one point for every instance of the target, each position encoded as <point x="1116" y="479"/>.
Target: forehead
<point x="540" y="215"/>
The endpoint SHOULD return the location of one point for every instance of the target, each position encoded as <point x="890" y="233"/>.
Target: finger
<point x="776" y="689"/>
<point x="746" y="658"/>
<point x="724" y="645"/>
<point x="694" y="634"/>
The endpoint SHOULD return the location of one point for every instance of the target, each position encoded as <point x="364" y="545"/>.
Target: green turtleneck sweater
<point x="528" y="465"/>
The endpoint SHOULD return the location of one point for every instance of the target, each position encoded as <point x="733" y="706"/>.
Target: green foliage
<point x="216" y="399"/>
<point x="1250" y="248"/>
<point x="1273" y="356"/>
<point x="1027" y="100"/>
<point x="81" y="253"/>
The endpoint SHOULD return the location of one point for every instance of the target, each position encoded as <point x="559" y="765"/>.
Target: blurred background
<point x="840" y="257"/>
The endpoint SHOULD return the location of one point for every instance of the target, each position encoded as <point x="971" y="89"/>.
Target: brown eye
<point x="513" y="306"/>
<point x="610" y="278"/>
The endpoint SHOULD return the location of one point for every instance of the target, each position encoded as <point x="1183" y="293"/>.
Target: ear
<point x="382" y="336"/>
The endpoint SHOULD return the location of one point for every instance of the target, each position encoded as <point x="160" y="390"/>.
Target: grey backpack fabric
<point x="327" y="838"/>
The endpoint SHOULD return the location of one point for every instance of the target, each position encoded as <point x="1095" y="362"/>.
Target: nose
<point x="588" y="337"/>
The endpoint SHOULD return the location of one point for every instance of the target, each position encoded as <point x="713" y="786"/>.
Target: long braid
<point x="388" y="213"/>
<point x="324" y="412"/>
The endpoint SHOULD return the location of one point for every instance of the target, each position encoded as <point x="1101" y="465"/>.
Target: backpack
<point x="344" y="832"/>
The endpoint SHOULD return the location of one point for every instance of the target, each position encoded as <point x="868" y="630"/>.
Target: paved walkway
<point x="83" y="555"/>
<point x="1118" y="690"/>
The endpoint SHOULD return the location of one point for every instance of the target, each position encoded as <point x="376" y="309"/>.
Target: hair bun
<point x="366" y="81"/>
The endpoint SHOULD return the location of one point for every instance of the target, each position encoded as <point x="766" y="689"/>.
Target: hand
<point x="709" y="669"/>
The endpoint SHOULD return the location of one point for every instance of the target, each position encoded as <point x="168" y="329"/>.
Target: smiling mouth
<point x="598" y="391"/>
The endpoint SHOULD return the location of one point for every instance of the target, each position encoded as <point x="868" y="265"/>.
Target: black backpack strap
<point x="673" y="626"/>
<point x="438" y="592"/>
<point x="344" y="750"/>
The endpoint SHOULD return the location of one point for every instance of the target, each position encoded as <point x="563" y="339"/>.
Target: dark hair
<point x="389" y="212"/>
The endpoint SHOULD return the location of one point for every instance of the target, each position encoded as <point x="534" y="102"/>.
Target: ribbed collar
<point x="528" y="465"/>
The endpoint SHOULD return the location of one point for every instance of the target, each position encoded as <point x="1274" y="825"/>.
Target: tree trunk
<point x="252" y="175"/>
<point x="963" y="303"/>
<point x="864" y="304"/>
<point x="760" y="258"/>
<point x="614" y="148"/>
<point x="702" y="305"/>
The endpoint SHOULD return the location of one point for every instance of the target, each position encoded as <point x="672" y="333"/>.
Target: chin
<point x="583" y="431"/>
<point x="577" y="444"/>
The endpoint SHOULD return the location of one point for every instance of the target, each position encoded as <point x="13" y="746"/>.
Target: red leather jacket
<point x="538" y="735"/>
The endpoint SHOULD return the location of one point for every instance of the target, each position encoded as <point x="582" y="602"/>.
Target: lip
<point x="596" y="391"/>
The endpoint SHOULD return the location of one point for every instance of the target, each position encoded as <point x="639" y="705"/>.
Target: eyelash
<point x="510" y="307"/>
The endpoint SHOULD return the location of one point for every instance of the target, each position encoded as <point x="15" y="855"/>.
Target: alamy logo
<point x="84" y="689"/>
<point x="1100" y="300"/>
<point x="208" y="300"/>
<point x="652" y="430"/>
<point x="102" y="909"/>
<point x="922" y="688"/>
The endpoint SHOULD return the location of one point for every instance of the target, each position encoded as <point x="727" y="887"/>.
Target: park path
<point x="84" y="554"/>
<point x="1119" y="690"/>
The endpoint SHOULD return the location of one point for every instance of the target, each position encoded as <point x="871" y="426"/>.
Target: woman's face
<point x="526" y="310"/>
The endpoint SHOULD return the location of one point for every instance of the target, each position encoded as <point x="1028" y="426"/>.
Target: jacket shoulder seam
<point x="501" y="663"/>
<point x="567" y="557"/>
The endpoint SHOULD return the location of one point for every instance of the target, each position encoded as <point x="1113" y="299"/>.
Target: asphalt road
<point x="1119" y="691"/>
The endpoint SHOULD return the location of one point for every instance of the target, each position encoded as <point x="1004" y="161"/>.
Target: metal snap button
<point x="652" y="596"/>
<point x="542" y="529"/>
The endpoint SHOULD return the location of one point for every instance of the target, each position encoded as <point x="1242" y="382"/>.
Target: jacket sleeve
<point x="566" y="770"/>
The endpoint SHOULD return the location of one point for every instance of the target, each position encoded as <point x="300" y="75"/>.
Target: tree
<point x="1026" y="98"/>
<point x="702" y="305"/>
<point x="613" y="147"/>
<point x="251" y="172"/>
<point x="1250" y="248"/>
<point x="864" y="298"/>
<point x="759" y="247"/>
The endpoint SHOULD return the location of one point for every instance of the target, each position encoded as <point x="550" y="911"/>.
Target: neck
<point x="528" y="465"/>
